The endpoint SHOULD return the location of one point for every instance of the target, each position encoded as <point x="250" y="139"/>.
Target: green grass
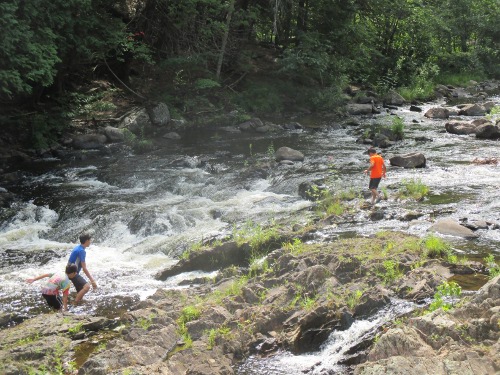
<point x="414" y="189"/>
<point x="391" y="272"/>
<point x="353" y="299"/>
<point x="398" y="127"/>
<point x="295" y="247"/>
<point x="449" y="290"/>
<point x="493" y="267"/>
<point x="417" y="91"/>
<point x="458" y="79"/>
<point x="435" y="247"/>
<point x="255" y="234"/>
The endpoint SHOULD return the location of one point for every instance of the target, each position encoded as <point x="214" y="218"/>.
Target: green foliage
<point x="214" y="333"/>
<point x="260" y="98"/>
<point x="76" y="328"/>
<point x="145" y="323"/>
<point x="435" y="247"/>
<point x="256" y="235"/>
<point x="413" y="188"/>
<point x="188" y="314"/>
<point x="353" y="298"/>
<point x="445" y="296"/>
<point x="391" y="272"/>
<point x="38" y="46"/>
<point x="295" y="247"/>
<point x="258" y="265"/>
<point x="206" y="84"/>
<point x="459" y="79"/>
<point x="398" y="127"/>
<point x="492" y="265"/>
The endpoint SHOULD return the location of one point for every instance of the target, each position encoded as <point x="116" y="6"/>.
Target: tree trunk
<point x="224" y="39"/>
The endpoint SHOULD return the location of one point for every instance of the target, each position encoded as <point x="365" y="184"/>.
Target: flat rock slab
<point x="451" y="227"/>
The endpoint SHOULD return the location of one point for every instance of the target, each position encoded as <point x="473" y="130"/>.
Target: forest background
<point x="71" y="58"/>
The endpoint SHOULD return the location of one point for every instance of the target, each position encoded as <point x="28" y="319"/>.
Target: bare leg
<point x="82" y="292"/>
<point x="374" y="195"/>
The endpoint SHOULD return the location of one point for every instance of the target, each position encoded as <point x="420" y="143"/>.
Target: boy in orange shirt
<point x="377" y="170"/>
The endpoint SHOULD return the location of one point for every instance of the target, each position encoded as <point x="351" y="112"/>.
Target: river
<point x="144" y="210"/>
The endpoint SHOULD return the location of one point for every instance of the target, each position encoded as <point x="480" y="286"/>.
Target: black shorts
<point x="53" y="301"/>
<point x="79" y="282"/>
<point x="374" y="183"/>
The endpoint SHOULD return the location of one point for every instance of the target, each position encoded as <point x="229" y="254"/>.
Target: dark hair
<point x="85" y="237"/>
<point x="371" y="150"/>
<point x="71" y="268"/>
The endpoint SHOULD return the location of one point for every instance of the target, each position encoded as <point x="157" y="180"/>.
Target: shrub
<point x="492" y="265"/>
<point x="413" y="188"/>
<point x="435" y="247"/>
<point x="445" y="296"/>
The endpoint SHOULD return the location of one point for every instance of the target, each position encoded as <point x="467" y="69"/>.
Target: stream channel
<point x="144" y="210"/>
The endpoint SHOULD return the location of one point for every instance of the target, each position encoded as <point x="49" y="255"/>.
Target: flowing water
<point x="144" y="210"/>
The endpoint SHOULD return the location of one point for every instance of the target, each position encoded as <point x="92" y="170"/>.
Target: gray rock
<point x="159" y="114"/>
<point x="172" y="135"/>
<point x="113" y="134"/>
<point x="451" y="227"/>
<point x="472" y="110"/>
<point x="488" y="131"/>
<point x="412" y="160"/>
<point x="89" y="141"/>
<point x="437" y="113"/>
<point x="287" y="153"/>
<point x="359" y="109"/>
<point x="393" y="98"/>
<point x="460" y="127"/>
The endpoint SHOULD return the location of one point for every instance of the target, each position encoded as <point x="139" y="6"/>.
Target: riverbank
<point x="290" y="298"/>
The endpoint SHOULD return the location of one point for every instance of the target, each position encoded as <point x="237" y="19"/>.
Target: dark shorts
<point x="53" y="301"/>
<point x="374" y="183"/>
<point x="79" y="282"/>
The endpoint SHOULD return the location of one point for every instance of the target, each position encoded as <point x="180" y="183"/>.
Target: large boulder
<point x="113" y="134"/>
<point x="460" y="127"/>
<point x="437" y="113"/>
<point x="451" y="227"/>
<point x="287" y="153"/>
<point x="411" y="160"/>
<point x="472" y="110"/>
<point x="359" y="109"/>
<point x="159" y="114"/>
<point x="393" y="98"/>
<point x="488" y="131"/>
<point x="89" y="141"/>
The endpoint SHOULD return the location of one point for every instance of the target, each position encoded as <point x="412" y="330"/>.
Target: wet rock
<point x="287" y="153"/>
<point x="251" y="124"/>
<point x="472" y="110"/>
<point x="488" y="131"/>
<point x="414" y="108"/>
<point x="440" y="343"/>
<point x="159" y="114"/>
<point x="293" y="126"/>
<point x="411" y="160"/>
<point x="89" y="141"/>
<point x="437" y="113"/>
<point x="113" y="135"/>
<point x="451" y="227"/>
<point x="377" y="215"/>
<point x="359" y="109"/>
<point x="229" y="253"/>
<point x="393" y="98"/>
<point x="460" y="127"/>
<point x="172" y="135"/>
<point x="311" y="190"/>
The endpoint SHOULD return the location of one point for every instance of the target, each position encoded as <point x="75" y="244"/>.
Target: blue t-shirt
<point x="77" y="256"/>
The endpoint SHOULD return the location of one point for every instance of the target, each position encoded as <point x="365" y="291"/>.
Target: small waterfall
<point x="335" y="350"/>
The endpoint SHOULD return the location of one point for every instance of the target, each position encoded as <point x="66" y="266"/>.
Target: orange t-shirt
<point x="377" y="162"/>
